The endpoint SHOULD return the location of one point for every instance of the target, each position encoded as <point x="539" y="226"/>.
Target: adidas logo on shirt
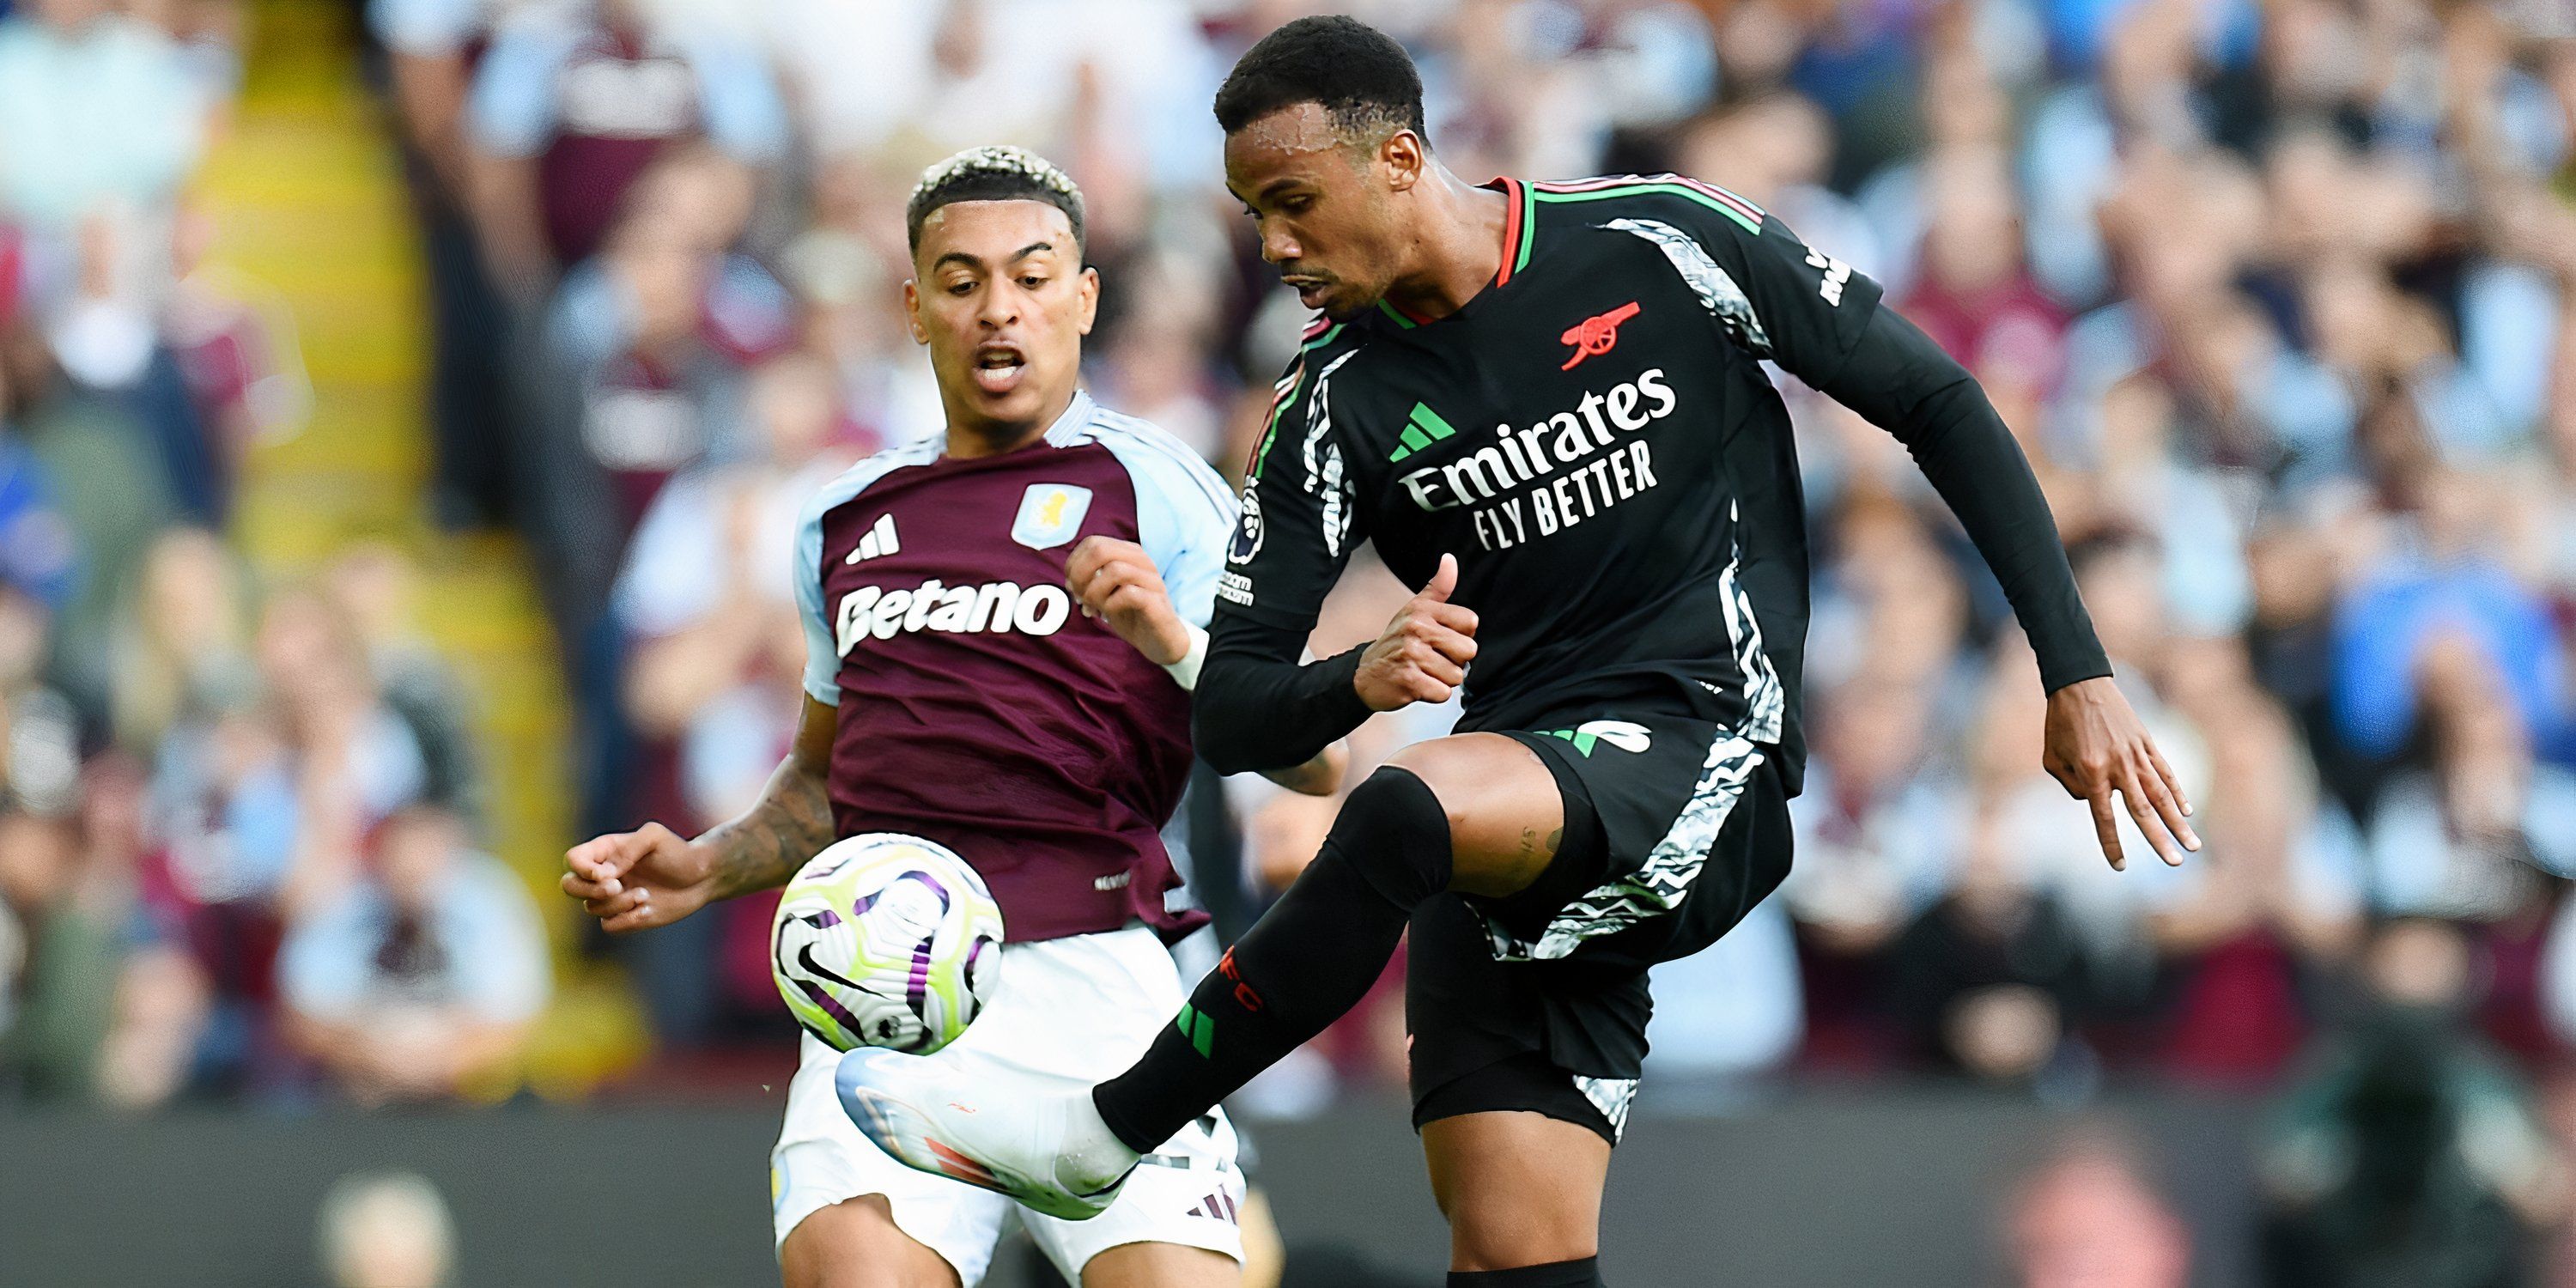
<point x="879" y="540"/>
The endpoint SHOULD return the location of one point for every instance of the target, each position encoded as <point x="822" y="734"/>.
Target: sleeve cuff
<point x="2056" y="672"/>
<point x="1186" y="671"/>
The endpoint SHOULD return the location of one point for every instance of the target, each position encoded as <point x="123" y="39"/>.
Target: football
<point x="886" y="940"/>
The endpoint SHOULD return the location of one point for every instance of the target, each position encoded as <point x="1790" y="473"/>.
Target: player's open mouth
<point x="998" y="368"/>
<point x="1309" y="289"/>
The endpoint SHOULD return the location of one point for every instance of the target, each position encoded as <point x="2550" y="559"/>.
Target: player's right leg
<point x="844" y="1215"/>
<point x="1478" y="813"/>
<point x="855" y="1244"/>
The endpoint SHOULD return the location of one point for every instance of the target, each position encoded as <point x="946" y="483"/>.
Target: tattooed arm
<point x="650" y="877"/>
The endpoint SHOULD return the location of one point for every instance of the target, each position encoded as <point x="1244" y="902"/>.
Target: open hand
<point x="2097" y="746"/>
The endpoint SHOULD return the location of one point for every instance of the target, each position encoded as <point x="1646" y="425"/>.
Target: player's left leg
<point x="1527" y="1016"/>
<point x="1518" y="1144"/>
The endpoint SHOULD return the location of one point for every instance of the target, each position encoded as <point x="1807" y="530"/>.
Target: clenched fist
<point x="1117" y="582"/>
<point x="1423" y="653"/>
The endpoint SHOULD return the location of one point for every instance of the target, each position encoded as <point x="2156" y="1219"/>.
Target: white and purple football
<point x="886" y="940"/>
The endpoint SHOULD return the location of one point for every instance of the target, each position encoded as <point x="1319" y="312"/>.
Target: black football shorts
<point x="1675" y="828"/>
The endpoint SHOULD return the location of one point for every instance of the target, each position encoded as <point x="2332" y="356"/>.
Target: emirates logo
<point x="1597" y="335"/>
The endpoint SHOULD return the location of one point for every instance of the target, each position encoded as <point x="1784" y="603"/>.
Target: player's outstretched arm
<point x="2095" y="745"/>
<point x="651" y="877"/>
<point x="1831" y="327"/>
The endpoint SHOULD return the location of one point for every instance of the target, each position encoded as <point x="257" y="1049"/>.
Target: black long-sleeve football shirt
<point x="1594" y="437"/>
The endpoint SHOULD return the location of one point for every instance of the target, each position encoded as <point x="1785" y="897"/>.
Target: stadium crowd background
<point x="2279" y="295"/>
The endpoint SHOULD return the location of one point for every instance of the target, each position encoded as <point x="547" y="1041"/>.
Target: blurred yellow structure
<point x="307" y="198"/>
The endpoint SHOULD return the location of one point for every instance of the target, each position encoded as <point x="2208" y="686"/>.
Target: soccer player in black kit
<point x="1545" y="404"/>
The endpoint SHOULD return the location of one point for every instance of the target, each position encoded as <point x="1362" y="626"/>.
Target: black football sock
<point x="1555" y="1274"/>
<point x="1310" y="958"/>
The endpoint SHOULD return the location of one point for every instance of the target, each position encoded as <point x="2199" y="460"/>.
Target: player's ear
<point x="912" y="311"/>
<point x="1089" y="289"/>
<point x="1402" y="156"/>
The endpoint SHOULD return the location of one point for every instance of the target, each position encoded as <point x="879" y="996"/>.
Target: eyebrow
<point x="972" y="262"/>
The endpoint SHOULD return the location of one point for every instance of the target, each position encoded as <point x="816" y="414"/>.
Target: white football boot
<point x="1035" y="1139"/>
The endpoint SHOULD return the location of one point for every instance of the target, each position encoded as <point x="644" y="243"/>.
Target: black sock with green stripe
<point x="1310" y="958"/>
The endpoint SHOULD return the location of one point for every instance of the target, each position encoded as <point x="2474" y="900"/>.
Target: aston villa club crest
<point x="1050" y="515"/>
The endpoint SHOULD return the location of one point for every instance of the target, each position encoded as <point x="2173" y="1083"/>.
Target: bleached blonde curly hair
<point x="993" y="173"/>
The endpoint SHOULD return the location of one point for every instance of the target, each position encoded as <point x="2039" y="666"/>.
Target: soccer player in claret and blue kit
<point x="1546" y="405"/>
<point x="1002" y="626"/>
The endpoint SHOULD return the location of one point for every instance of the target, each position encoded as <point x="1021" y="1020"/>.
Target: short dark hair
<point x="992" y="174"/>
<point x="1355" y="72"/>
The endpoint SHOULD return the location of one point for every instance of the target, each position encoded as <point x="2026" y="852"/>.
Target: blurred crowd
<point x="2279" y="296"/>
<point x="239" y="816"/>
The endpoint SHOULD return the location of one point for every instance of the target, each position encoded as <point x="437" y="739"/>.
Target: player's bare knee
<point x="1448" y="767"/>
<point x="1459" y="767"/>
<point x="855" y="1244"/>
<point x="1505" y="815"/>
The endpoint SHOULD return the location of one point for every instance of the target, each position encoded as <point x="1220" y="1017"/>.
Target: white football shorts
<point x="1080" y="1009"/>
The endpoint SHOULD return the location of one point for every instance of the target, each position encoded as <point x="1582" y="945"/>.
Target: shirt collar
<point x="1076" y="418"/>
<point x="1067" y="429"/>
